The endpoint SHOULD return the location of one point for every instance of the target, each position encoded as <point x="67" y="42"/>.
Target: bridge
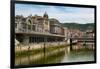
<point x="83" y="40"/>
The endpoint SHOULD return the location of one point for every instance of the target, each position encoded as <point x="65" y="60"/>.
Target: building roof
<point x="54" y="22"/>
<point x="45" y="15"/>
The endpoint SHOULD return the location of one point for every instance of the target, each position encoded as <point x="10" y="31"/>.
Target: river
<point x="63" y="55"/>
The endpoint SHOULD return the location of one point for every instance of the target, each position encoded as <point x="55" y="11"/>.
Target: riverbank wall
<point x="34" y="46"/>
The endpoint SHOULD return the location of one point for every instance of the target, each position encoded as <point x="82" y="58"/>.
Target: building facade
<point x="38" y="29"/>
<point x="55" y="27"/>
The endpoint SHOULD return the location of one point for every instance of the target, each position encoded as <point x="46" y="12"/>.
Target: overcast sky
<point x="63" y="14"/>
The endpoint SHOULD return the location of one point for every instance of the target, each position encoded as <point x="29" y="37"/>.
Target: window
<point x="29" y="21"/>
<point x="24" y="26"/>
<point x="46" y="23"/>
<point x="15" y="25"/>
<point x="33" y="27"/>
<point x="29" y="27"/>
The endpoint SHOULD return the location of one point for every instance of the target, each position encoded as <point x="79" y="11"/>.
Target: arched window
<point x="29" y="24"/>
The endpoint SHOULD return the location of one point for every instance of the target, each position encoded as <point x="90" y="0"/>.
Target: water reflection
<point x="63" y="55"/>
<point x="79" y="56"/>
<point x="54" y="56"/>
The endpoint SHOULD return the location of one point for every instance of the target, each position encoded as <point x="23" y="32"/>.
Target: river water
<point x="63" y="55"/>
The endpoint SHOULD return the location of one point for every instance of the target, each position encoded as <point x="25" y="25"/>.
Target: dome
<point x="54" y="21"/>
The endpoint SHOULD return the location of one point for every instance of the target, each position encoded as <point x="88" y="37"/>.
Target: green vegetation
<point x="82" y="27"/>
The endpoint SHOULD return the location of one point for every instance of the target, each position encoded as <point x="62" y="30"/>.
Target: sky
<point x="63" y="14"/>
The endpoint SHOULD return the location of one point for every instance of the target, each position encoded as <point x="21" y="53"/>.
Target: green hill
<point x="81" y="27"/>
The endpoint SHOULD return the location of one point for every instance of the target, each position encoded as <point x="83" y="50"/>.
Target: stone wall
<point x="32" y="46"/>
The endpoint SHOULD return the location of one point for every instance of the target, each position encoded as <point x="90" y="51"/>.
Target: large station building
<point x="34" y="29"/>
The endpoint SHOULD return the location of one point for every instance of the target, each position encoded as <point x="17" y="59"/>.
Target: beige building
<point x="32" y="23"/>
<point x="56" y="27"/>
<point x="37" y="29"/>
